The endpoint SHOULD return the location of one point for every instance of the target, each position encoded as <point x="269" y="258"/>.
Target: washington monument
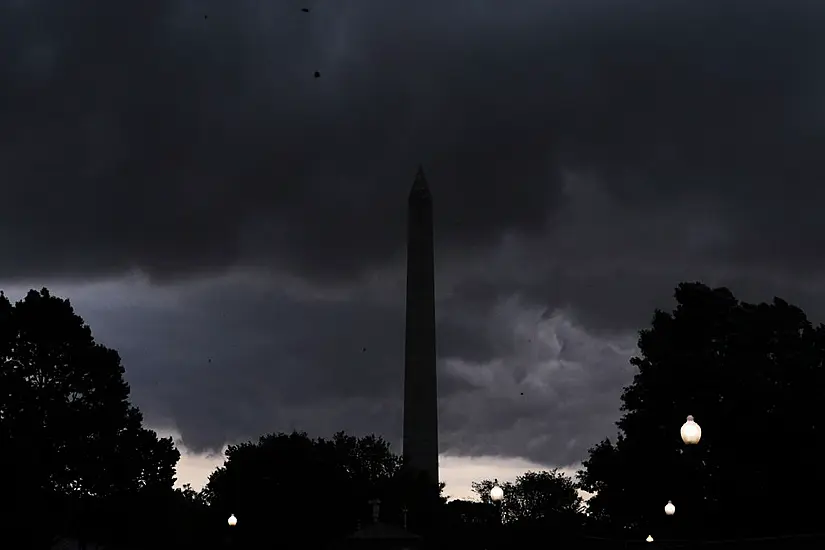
<point x="420" y="378"/>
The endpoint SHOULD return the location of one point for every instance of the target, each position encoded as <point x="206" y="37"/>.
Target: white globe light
<point x="670" y="509"/>
<point x="232" y="521"/>
<point x="496" y="493"/>
<point x="649" y="538"/>
<point x="691" y="432"/>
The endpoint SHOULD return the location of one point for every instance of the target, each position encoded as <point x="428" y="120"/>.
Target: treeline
<point x="77" y="461"/>
<point x="306" y="483"/>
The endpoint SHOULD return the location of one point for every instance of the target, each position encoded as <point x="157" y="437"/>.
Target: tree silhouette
<point x="541" y="496"/>
<point x="542" y="504"/>
<point x="752" y="376"/>
<point x="71" y="443"/>
<point x="303" y="484"/>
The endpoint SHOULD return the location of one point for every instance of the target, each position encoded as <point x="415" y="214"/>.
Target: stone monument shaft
<point x="420" y="376"/>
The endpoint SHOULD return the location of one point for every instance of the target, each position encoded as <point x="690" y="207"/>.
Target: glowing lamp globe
<point x="649" y="538"/>
<point x="691" y="432"/>
<point x="670" y="509"/>
<point x="232" y="521"/>
<point x="496" y="494"/>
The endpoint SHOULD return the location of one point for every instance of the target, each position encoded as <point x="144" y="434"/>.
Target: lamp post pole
<point x="691" y="434"/>
<point x="670" y="509"/>
<point x="232" y="522"/>
<point x="497" y="496"/>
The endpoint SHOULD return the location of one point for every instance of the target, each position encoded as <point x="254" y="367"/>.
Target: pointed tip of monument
<point x="420" y="183"/>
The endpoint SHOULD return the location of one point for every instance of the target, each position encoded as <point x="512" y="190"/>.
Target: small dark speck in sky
<point x="305" y="10"/>
<point x="317" y="74"/>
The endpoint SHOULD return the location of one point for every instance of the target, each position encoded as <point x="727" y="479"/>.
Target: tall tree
<point x="752" y="376"/>
<point x="543" y="496"/>
<point x="71" y="441"/>
<point x="304" y="483"/>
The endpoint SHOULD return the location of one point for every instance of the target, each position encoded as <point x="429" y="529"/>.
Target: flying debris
<point x="317" y="74"/>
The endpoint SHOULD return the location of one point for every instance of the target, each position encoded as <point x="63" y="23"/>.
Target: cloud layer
<point x="178" y="138"/>
<point x="243" y="222"/>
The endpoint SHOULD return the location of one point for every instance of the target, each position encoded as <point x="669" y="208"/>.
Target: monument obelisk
<point x="420" y="447"/>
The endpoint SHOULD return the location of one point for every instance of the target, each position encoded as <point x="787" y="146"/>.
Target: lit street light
<point x="230" y="536"/>
<point x="497" y="496"/>
<point x="670" y="509"/>
<point x="649" y="538"/>
<point x="691" y="432"/>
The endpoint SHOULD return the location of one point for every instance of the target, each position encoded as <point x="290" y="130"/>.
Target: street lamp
<point x="232" y="521"/>
<point x="497" y="496"/>
<point x="649" y="538"/>
<point x="691" y="432"/>
<point x="670" y="509"/>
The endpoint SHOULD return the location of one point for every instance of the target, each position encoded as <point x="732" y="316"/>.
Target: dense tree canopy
<point x="543" y="504"/>
<point x="752" y="376"/>
<point x="306" y="483"/>
<point x="72" y="443"/>
<point x="546" y="497"/>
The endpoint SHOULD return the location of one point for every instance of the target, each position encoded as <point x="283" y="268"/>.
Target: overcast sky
<point x="235" y="226"/>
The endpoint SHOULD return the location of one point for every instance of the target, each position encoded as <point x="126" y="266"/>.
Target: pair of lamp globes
<point x="691" y="434"/>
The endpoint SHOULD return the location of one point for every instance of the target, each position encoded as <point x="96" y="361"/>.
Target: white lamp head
<point x="691" y="432"/>
<point x="232" y="521"/>
<point x="496" y="494"/>
<point x="649" y="538"/>
<point x="670" y="509"/>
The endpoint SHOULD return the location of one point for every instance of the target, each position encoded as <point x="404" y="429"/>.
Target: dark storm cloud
<point x="144" y="135"/>
<point x="227" y="360"/>
<point x="584" y="155"/>
<point x="231" y="359"/>
<point x="548" y="395"/>
<point x="172" y="143"/>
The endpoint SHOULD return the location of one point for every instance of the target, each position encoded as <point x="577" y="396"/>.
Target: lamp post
<point x="691" y="432"/>
<point x="670" y="509"/>
<point x="496" y="493"/>
<point x="497" y="496"/>
<point x="232" y="522"/>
